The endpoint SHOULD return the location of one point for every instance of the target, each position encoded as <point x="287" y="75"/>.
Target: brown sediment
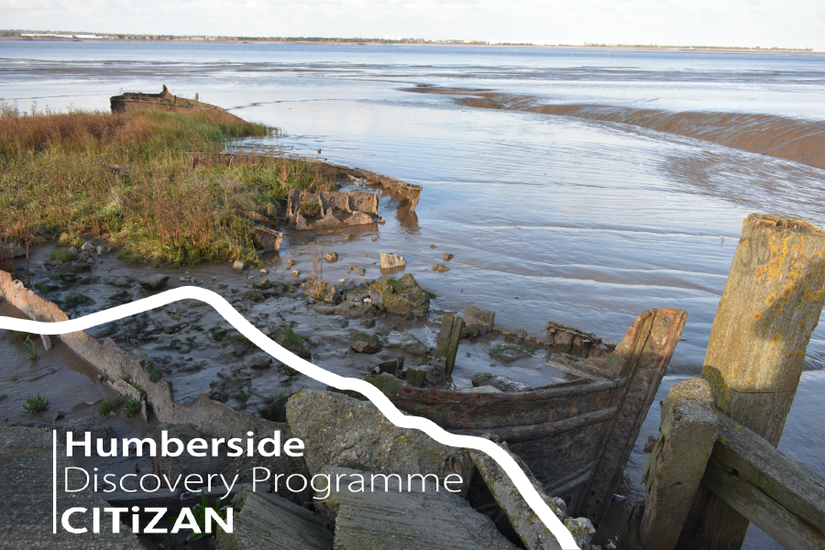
<point x="798" y="140"/>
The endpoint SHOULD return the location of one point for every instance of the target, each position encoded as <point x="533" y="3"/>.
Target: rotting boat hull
<point x="575" y="436"/>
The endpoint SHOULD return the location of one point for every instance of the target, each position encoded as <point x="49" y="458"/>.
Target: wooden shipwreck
<point x="166" y="101"/>
<point x="576" y="436"/>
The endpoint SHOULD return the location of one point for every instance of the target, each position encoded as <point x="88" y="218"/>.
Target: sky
<point x="749" y="23"/>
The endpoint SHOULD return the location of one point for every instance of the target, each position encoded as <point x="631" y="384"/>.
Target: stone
<point x="252" y="296"/>
<point x="478" y="321"/>
<point x="530" y="529"/>
<point x="392" y="261"/>
<point x="401" y="296"/>
<point x="507" y="353"/>
<point x="331" y="256"/>
<point x="497" y="381"/>
<point x="154" y="282"/>
<point x="394" y="367"/>
<point x="440" y="267"/>
<point x="386" y="382"/>
<point x="276" y="411"/>
<point x="325" y="292"/>
<point x="407" y="343"/>
<point x="338" y="430"/>
<point x="264" y="520"/>
<point x="185" y="463"/>
<point x="415" y="519"/>
<point x="26" y="493"/>
<point x="447" y="257"/>
<point x="480" y="389"/>
<point x="120" y="281"/>
<point x="54" y="414"/>
<point x="294" y="343"/>
<point x="265" y="284"/>
<point x="260" y="362"/>
<point x="296" y="272"/>
<point x="364" y="342"/>
<point x="239" y="265"/>
<point x="88" y="247"/>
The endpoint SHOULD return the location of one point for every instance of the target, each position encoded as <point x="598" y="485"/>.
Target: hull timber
<point x="165" y="101"/>
<point x="575" y="436"/>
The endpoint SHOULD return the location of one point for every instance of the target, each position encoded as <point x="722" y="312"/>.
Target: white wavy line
<point x="225" y="309"/>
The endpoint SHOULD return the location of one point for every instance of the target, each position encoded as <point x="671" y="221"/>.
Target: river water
<point x="580" y="185"/>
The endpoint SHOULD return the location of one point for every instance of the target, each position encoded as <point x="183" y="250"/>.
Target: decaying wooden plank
<point x="784" y="498"/>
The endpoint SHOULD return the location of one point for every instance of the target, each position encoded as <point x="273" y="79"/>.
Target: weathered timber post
<point x="771" y="304"/>
<point x="448" y="339"/>
<point x="676" y="465"/>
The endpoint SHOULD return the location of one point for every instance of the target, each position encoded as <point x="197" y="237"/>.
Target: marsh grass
<point x="125" y="177"/>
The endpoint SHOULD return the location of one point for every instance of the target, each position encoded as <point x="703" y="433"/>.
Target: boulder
<point x="294" y="343"/>
<point x="406" y="342"/>
<point x="260" y="362"/>
<point x="265" y="284"/>
<point x="501" y="382"/>
<point x="478" y="321"/>
<point x="331" y="257"/>
<point x="440" y="267"/>
<point x="239" y="265"/>
<point x="264" y="520"/>
<point x="338" y="430"/>
<point x="507" y="353"/>
<point x="364" y="342"/>
<point x="412" y="519"/>
<point x="154" y="282"/>
<point x="401" y="296"/>
<point x="252" y="296"/>
<point x="386" y="382"/>
<point x="276" y="411"/>
<point x="392" y="261"/>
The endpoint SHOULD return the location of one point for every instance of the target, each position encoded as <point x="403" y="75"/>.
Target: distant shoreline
<point x="366" y="42"/>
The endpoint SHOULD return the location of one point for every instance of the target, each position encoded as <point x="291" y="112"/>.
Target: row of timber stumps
<point x="715" y="467"/>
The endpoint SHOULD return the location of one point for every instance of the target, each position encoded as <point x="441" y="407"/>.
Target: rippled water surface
<point x="548" y="173"/>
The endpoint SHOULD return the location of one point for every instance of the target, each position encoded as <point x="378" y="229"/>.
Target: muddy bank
<point x="801" y="141"/>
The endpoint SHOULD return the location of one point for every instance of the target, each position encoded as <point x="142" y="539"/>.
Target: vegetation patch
<point x="125" y="177"/>
<point x="36" y="403"/>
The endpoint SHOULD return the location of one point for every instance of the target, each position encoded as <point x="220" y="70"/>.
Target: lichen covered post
<point x="771" y="304"/>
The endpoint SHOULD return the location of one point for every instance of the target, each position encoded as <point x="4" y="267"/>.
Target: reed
<point x="125" y="177"/>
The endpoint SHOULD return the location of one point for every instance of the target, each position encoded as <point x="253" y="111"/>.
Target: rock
<point x="325" y="292"/>
<point x="101" y="250"/>
<point x="478" y="321"/>
<point x="392" y="261"/>
<point x="290" y="263"/>
<point x="252" y="296"/>
<point x="185" y="463"/>
<point x="118" y="281"/>
<point x="338" y="430"/>
<point x="296" y="272"/>
<point x="360" y="270"/>
<point x="294" y="343"/>
<point x="364" y="342"/>
<point x="154" y="282"/>
<point x="386" y="382"/>
<point x="331" y="257"/>
<point x="54" y="414"/>
<point x="530" y="529"/>
<point x="276" y="411"/>
<point x="447" y="257"/>
<point x="261" y="362"/>
<point x="582" y="530"/>
<point x="264" y="271"/>
<point x="501" y="382"/>
<point x="401" y="296"/>
<point x="264" y="520"/>
<point x="266" y="284"/>
<point x="415" y="519"/>
<point x="507" y="353"/>
<point x="88" y="247"/>
<point x="239" y="265"/>
<point x="394" y="367"/>
<point x="406" y="342"/>
<point x="440" y="267"/>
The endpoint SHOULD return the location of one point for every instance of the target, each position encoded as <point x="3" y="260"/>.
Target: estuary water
<point x="579" y="185"/>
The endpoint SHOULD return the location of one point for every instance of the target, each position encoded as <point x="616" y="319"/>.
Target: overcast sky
<point x="788" y="23"/>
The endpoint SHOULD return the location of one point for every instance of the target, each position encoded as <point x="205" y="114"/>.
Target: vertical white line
<point x="54" y="482"/>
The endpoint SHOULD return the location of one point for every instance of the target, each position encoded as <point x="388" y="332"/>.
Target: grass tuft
<point x="125" y="177"/>
<point x="36" y="403"/>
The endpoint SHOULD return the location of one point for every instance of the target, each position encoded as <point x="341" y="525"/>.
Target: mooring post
<point x="771" y="304"/>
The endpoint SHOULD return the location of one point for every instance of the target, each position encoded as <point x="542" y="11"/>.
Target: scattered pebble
<point x="433" y="246"/>
<point x="342" y="281"/>
<point x="264" y="271"/>
<point x="440" y="267"/>
<point x="447" y="257"/>
<point x="296" y="272"/>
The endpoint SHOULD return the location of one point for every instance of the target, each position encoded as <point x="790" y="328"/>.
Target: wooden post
<point x="677" y="463"/>
<point x="771" y="304"/>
